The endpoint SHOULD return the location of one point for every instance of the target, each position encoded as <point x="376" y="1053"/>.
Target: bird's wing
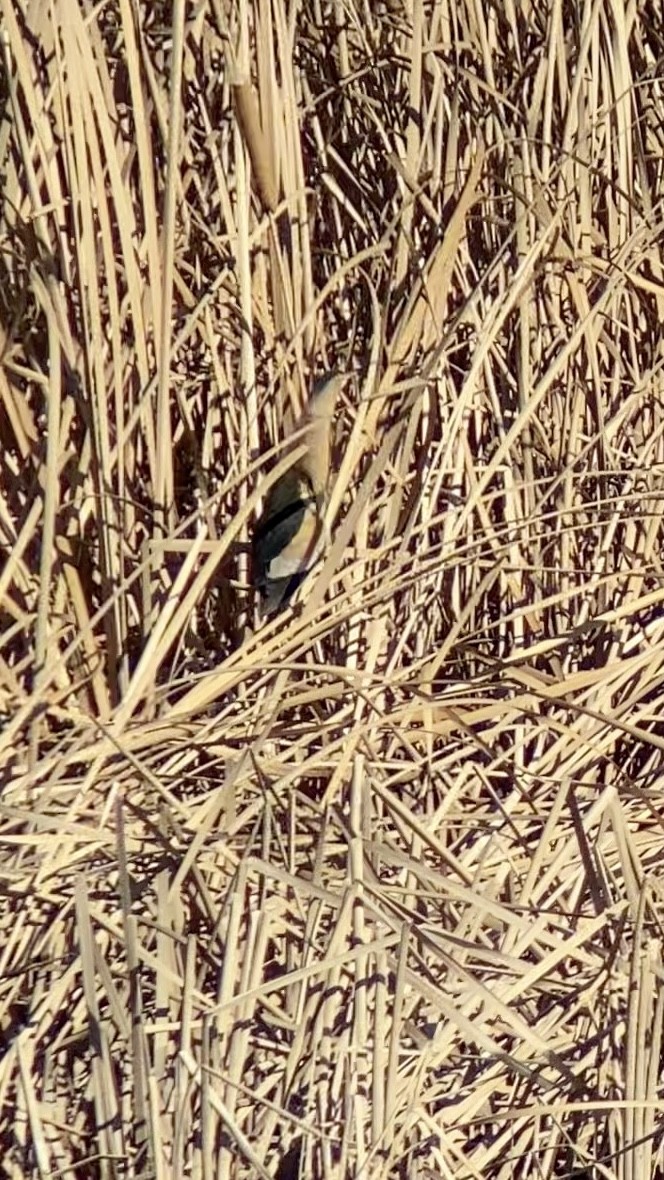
<point x="285" y="535"/>
<point x="301" y="552"/>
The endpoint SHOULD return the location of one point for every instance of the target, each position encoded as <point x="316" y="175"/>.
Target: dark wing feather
<point x="283" y="524"/>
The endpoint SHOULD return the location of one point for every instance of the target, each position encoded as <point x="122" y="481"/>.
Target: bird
<point x="290" y="534"/>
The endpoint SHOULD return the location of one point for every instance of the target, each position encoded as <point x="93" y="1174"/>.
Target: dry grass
<point x="372" y="890"/>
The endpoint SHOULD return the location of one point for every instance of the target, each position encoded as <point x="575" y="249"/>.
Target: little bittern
<point x="290" y="533"/>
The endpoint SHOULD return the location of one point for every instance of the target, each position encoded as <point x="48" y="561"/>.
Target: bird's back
<point x="286" y="537"/>
<point x="289" y="535"/>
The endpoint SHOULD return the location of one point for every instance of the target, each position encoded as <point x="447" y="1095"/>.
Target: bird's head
<point x="318" y="422"/>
